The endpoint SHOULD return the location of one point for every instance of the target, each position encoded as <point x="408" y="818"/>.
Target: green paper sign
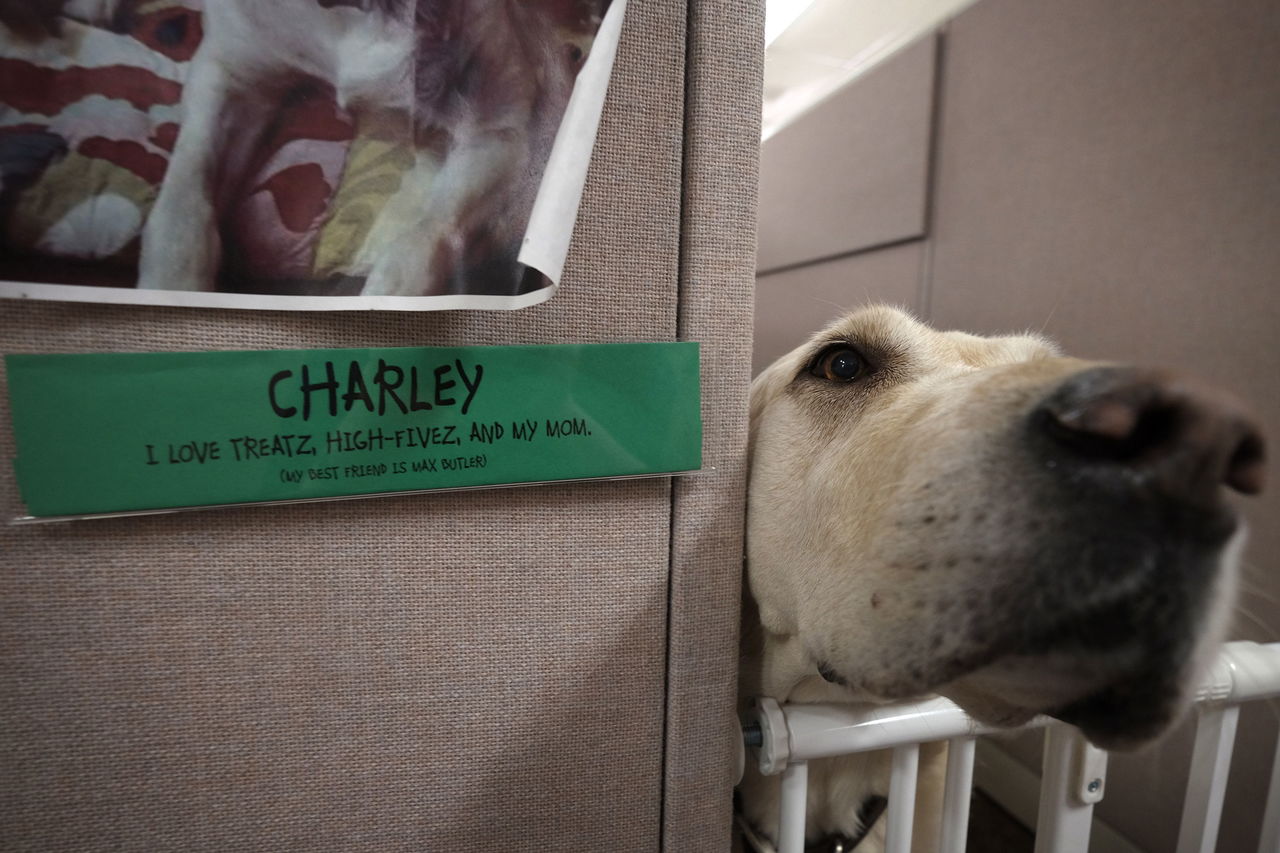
<point x="136" y="431"/>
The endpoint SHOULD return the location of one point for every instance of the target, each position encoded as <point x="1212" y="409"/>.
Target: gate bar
<point x="1210" y="764"/>
<point x="958" y="791"/>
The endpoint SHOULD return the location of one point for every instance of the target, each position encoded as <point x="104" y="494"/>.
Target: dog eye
<point x="839" y="363"/>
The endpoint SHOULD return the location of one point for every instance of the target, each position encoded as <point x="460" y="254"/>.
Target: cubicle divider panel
<point x="478" y="670"/>
<point x="717" y="263"/>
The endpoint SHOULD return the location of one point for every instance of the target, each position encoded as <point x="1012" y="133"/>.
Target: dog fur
<point x="475" y="87"/>
<point x="985" y="519"/>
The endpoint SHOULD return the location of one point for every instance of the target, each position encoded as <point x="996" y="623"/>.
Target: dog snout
<point x="1183" y="438"/>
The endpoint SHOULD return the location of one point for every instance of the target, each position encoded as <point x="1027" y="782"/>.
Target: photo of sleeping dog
<point x="297" y="147"/>
<point x="985" y="519"/>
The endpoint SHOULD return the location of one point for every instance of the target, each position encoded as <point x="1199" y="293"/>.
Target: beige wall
<point x="792" y="304"/>
<point x="865" y="155"/>
<point x="1106" y="172"/>
<point x="880" y="198"/>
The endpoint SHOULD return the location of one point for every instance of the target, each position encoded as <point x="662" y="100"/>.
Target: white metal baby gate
<point x="1074" y="773"/>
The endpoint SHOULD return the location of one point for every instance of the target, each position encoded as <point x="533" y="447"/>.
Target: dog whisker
<point x="1266" y="629"/>
<point x="843" y="309"/>
<point x="1049" y="319"/>
<point x="1257" y="591"/>
<point x="1254" y="587"/>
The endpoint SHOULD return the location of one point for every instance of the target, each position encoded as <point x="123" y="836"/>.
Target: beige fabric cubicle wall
<point x="538" y="668"/>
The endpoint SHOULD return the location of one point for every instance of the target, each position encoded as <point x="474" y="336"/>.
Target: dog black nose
<point x="1183" y="437"/>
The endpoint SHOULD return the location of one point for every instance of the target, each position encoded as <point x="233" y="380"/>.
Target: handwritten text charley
<point x="388" y="387"/>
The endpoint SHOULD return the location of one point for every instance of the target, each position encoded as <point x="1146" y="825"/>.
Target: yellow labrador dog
<point x="985" y="519"/>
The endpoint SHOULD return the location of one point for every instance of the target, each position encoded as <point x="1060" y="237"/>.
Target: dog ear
<point x="769" y="385"/>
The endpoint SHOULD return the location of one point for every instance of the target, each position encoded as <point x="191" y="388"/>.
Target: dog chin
<point x="1124" y="715"/>
<point x="986" y="708"/>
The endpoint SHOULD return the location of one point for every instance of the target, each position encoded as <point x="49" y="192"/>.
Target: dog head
<point x="935" y="512"/>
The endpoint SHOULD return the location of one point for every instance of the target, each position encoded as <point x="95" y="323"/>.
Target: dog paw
<point x="176" y="259"/>
<point x="154" y="279"/>
<point x="402" y="271"/>
<point x="159" y="275"/>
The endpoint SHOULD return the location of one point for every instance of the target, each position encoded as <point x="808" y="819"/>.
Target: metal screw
<point x="1095" y="786"/>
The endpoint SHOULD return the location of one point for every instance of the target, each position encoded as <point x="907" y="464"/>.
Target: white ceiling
<point x="831" y="42"/>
